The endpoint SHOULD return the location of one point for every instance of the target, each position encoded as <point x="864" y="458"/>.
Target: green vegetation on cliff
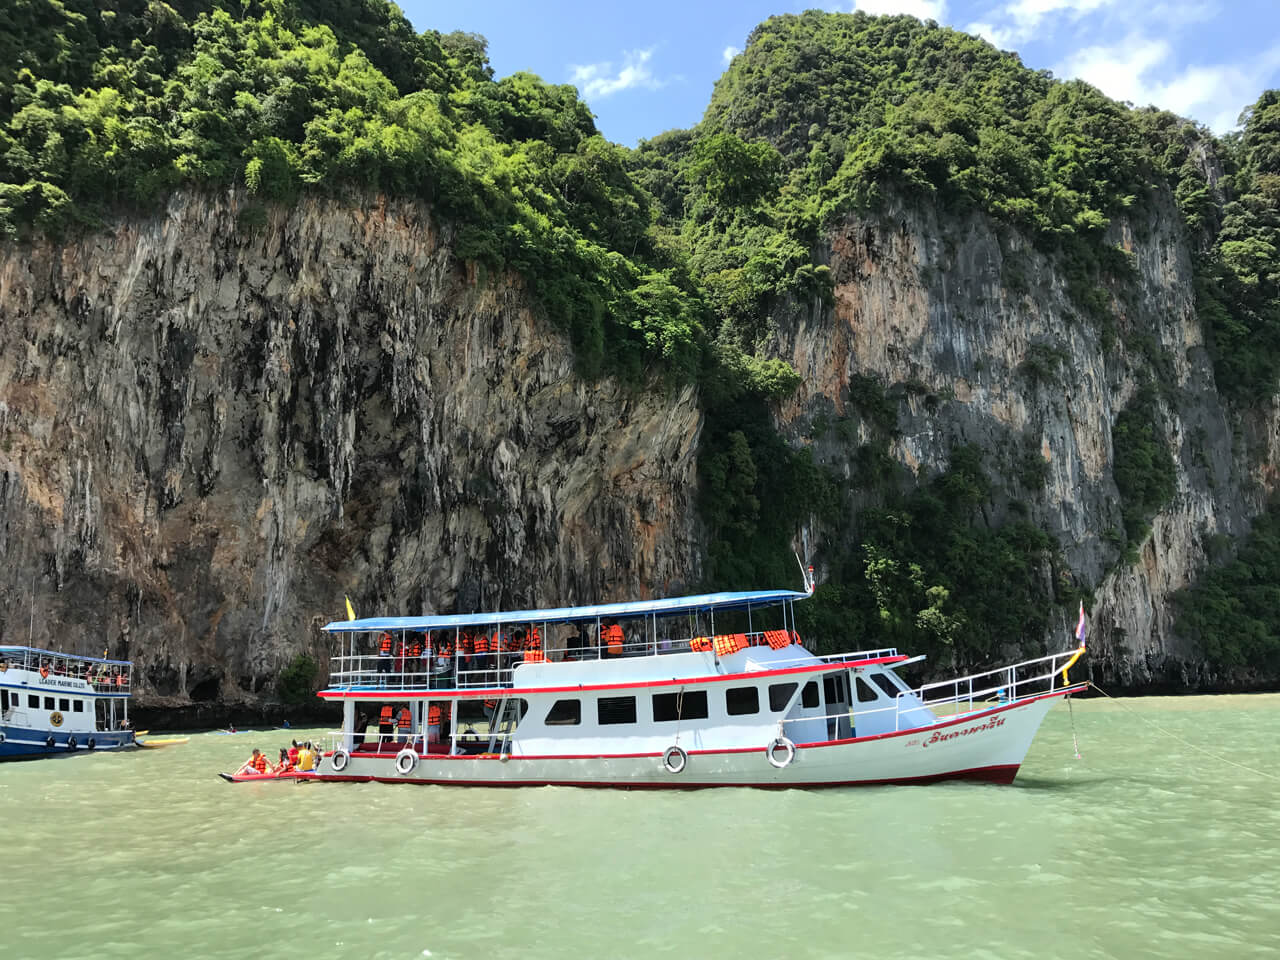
<point x="1232" y="612"/>
<point x="101" y="109"/>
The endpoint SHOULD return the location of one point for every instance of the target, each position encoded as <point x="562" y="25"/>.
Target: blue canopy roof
<point x="668" y="606"/>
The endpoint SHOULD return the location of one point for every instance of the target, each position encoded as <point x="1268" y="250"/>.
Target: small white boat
<point x="59" y="703"/>
<point x="661" y="699"/>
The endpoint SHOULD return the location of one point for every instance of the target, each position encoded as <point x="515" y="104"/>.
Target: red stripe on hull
<point x="1002" y="774"/>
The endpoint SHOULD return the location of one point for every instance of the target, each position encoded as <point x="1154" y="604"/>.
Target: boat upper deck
<point x="622" y="643"/>
<point x="104" y="677"/>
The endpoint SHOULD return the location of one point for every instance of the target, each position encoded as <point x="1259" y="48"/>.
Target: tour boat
<point x="699" y="691"/>
<point x="59" y="703"/>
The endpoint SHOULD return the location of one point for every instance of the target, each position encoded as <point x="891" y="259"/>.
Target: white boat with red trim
<point x="60" y="703"/>
<point x="699" y="691"/>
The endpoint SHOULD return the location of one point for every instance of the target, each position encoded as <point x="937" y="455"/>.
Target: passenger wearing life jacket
<point x="44" y="671"/>
<point x="292" y="753"/>
<point x="256" y="763"/>
<point x="482" y="651"/>
<point x="384" y="654"/>
<point x="414" y="662"/>
<point x="612" y="637"/>
<point x="386" y="718"/>
<point x="404" y="724"/>
<point x="433" y="723"/>
<point x="285" y="764"/>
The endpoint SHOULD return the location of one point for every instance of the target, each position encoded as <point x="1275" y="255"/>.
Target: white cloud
<point x="600" y="80"/>
<point x="729" y="53"/>
<point x="923" y="9"/>
<point x="1018" y="21"/>
<point x="1214" y="94"/>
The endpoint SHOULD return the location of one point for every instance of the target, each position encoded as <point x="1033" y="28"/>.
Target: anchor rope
<point x="1182" y="740"/>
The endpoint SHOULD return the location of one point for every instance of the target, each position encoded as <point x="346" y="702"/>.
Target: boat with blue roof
<point x="55" y="703"/>
<point x="701" y="691"/>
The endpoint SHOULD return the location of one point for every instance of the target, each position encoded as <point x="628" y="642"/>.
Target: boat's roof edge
<point x="666" y="606"/>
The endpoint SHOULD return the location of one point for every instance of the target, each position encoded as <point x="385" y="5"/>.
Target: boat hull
<point x="987" y="745"/>
<point x="19" y="743"/>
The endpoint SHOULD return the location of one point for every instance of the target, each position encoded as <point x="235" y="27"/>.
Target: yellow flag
<point x="351" y="614"/>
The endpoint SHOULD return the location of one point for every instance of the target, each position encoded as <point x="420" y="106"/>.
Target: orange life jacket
<point x="482" y="643"/>
<point x="415" y="649"/>
<point x="406" y="718"/>
<point x="44" y="672"/>
<point x="386" y="715"/>
<point x="259" y="763"/>
<point x="614" y="638"/>
<point x="119" y="679"/>
<point x="467" y="643"/>
<point x="446" y="649"/>
<point x="385" y="646"/>
<point x="433" y="716"/>
<point x="533" y="641"/>
<point x="535" y="656"/>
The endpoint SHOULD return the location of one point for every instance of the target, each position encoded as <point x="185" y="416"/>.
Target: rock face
<point x="977" y="332"/>
<point x="209" y="433"/>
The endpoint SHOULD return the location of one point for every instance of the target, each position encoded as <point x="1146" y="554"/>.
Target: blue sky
<point x="646" y="68"/>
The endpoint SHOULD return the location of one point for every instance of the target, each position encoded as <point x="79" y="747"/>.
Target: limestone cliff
<point x="210" y="432"/>
<point x="950" y="312"/>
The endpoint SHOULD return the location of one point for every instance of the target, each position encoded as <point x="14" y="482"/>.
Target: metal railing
<point x="496" y="670"/>
<point x="103" y="676"/>
<point x="1014" y="682"/>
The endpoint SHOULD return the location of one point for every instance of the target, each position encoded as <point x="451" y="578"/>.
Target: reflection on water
<point x="1143" y="848"/>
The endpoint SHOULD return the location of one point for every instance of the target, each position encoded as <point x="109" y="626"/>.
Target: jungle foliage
<point x="1232" y="612"/>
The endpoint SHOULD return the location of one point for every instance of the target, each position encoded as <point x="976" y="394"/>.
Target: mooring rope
<point x="1174" y="736"/>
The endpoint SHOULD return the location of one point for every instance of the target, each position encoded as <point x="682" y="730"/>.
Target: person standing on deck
<point x="386" y="719"/>
<point x="404" y="723"/>
<point x="433" y="723"/>
<point x="384" y="657"/>
<point x="612" y="639"/>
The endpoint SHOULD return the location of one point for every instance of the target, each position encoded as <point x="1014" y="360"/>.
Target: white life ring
<point x="771" y="751"/>
<point x="340" y="759"/>
<point x="674" y="759"/>
<point x="406" y="760"/>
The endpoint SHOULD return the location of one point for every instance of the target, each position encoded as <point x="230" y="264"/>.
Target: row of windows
<point x="10" y="701"/>
<point x="684" y="705"/>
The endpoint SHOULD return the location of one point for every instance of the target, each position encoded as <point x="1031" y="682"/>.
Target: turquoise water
<point x="1142" y="848"/>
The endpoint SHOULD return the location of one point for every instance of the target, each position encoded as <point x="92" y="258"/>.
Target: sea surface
<point x="1144" y="847"/>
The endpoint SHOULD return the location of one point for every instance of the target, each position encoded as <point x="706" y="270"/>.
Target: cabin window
<point x="866" y="692"/>
<point x="885" y="684"/>
<point x="48" y="703"/>
<point x="616" y="710"/>
<point x="77" y="706"/>
<point x="33" y="701"/>
<point x="689" y="705"/>
<point x="739" y="701"/>
<point x="64" y="704"/>
<point x="565" y="713"/>
<point x="809" y="697"/>
<point x="780" y="695"/>
<point x="4" y="700"/>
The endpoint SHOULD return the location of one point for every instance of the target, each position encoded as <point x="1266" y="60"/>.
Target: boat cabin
<point x="718" y="671"/>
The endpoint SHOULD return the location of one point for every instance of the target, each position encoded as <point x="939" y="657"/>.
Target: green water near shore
<point x="1143" y="848"/>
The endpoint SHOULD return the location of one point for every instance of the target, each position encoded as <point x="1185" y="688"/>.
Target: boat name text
<point x="939" y="736"/>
